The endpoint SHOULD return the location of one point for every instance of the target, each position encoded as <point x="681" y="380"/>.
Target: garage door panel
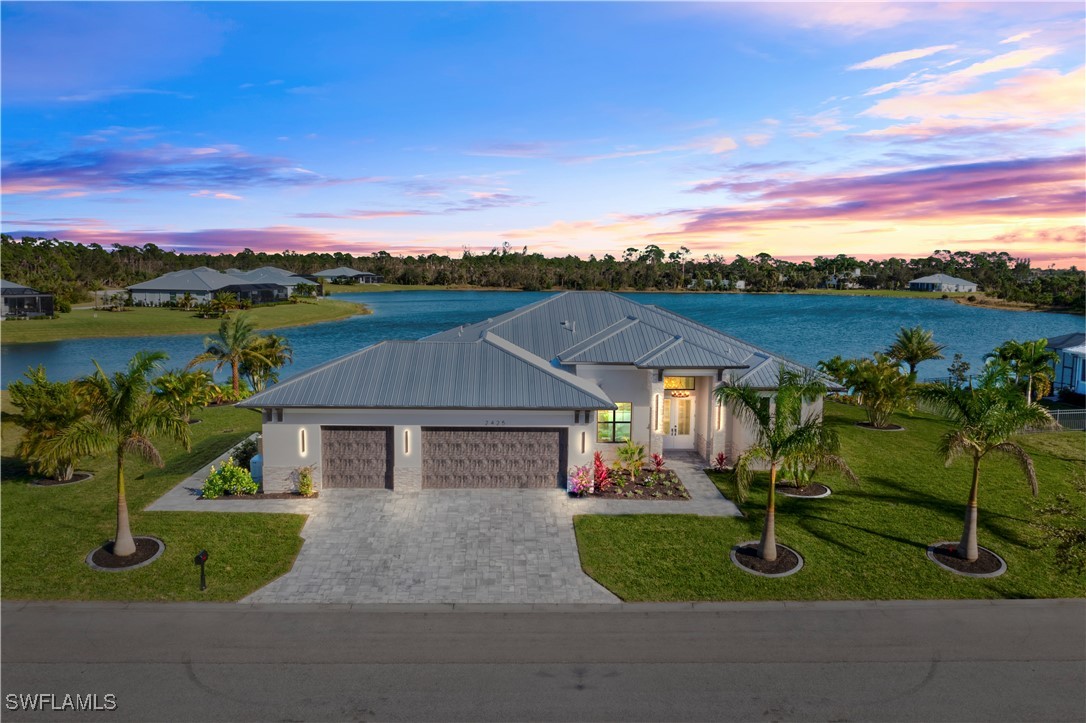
<point x="468" y="457"/>
<point x="356" y="457"/>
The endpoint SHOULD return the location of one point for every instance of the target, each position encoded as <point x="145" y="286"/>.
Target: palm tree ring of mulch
<point x="745" y="557"/>
<point x="812" y="491"/>
<point x="873" y="428"/>
<point x="76" y="479"/>
<point x="987" y="564"/>
<point x="195" y="421"/>
<point x="147" y="551"/>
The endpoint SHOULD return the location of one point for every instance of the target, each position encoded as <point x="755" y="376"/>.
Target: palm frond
<point x="143" y="448"/>
<point x="1024" y="460"/>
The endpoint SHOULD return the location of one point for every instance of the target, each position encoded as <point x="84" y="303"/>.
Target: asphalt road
<point x="923" y="661"/>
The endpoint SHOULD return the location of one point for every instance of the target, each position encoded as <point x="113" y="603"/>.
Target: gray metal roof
<point x="199" y="279"/>
<point x="941" y="279"/>
<point x="1067" y="341"/>
<point x="269" y="275"/>
<point x="10" y="287"/>
<point x="487" y="373"/>
<point x="342" y="271"/>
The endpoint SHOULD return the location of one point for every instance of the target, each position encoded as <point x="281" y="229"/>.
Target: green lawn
<point x="863" y="542"/>
<point x="82" y="323"/>
<point x="48" y="531"/>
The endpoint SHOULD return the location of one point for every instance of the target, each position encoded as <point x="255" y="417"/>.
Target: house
<point x="201" y="284"/>
<point x="941" y="282"/>
<point x="512" y="401"/>
<point x="275" y="275"/>
<point x="345" y="275"/>
<point x="1071" y="367"/>
<point x="21" y="302"/>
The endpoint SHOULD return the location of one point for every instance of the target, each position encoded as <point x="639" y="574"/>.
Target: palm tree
<point x="882" y="387"/>
<point x="46" y="409"/>
<point x="782" y="435"/>
<point x="222" y="303"/>
<point x="185" y="390"/>
<point x="914" y="345"/>
<point x="125" y="415"/>
<point x="186" y="301"/>
<point x="986" y="416"/>
<point x="275" y="352"/>
<point x="236" y="343"/>
<point x="1031" y="360"/>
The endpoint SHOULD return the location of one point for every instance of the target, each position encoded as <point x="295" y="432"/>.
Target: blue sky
<point x="797" y="129"/>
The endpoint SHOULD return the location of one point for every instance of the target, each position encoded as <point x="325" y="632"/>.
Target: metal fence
<point x="1072" y="420"/>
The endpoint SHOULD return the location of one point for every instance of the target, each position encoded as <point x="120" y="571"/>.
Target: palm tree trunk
<point x="123" y="544"/>
<point x="234" y="375"/>
<point x="1029" y="389"/>
<point x="967" y="548"/>
<point x="767" y="548"/>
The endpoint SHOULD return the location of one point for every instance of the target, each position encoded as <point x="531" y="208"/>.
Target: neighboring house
<point x="1071" y="367"/>
<point x="345" y="275"/>
<point x="844" y="280"/>
<point x="941" y="282"/>
<point x="202" y="284"/>
<point x="513" y="401"/>
<point x="23" y="302"/>
<point x="275" y="275"/>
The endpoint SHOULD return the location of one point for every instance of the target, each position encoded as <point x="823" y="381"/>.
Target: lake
<point x="804" y="328"/>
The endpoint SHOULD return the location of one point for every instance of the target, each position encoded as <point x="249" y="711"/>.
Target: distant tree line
<point x="73" y="271"/>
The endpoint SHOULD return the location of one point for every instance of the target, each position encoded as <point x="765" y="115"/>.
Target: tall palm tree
<point x="986" y="415"/>
<point x="914" y="345"/>
<point x="275" y="352"/>
<point x="782" y="434"/>
<point x="124" y="415"/>
<point x="236" y="343"/>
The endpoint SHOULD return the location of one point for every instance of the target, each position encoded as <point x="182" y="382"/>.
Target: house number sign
<point x="494" y="422"/>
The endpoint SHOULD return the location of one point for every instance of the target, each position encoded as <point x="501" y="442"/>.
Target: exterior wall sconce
<point x="719" y="416"/>
<point x="656" y="413"/>
<point x="301" y="440"/>
<point x="582" y="442"/>
<point x="407" y="441"/>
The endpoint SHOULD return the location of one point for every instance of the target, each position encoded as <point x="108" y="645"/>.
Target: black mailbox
<point x="200" y="559"/>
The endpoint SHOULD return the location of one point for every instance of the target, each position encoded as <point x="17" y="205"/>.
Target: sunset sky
<point x="800" y="129"/>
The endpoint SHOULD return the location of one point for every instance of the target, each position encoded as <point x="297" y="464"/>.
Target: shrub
<point x="244" y="453"/>
<point x="579" y="482"/>
<point x="63" y="307"/>
<point x="601" y="473"/>
<point x="657" y="462"/>
<point x="229" y="479"/>
<point x="305" y="481"/>
<point x="720" y="462"/>
<point x="971" y="298"/>
<point x="631" y="457"/>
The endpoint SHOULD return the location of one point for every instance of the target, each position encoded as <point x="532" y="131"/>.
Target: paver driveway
<point x="441" y="546"/>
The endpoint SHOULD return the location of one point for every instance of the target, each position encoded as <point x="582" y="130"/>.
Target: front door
<point x="678" y="419"/>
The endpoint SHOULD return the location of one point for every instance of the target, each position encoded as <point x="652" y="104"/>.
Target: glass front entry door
<point x="678" y="422"/>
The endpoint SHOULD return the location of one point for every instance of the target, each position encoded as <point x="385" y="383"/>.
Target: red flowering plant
<point x="601" y="473"/>
<point x="721" y="462"/>
<point x="657" y="462"/>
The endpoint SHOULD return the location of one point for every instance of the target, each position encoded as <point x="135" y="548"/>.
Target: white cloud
<point x="889" y="60"/>
<point x="1019" y="37"/>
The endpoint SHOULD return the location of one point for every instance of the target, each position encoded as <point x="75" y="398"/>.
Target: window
<point x="614" y="426"/>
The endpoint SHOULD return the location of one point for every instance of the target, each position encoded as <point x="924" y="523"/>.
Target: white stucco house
<point x="512" y="401"/>
<point x="1071" y="367"/>
<point x="941" y="282"/>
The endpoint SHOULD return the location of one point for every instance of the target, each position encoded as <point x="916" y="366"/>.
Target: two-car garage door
<point x="474" y="457"/>
<point x="452" y="457"/>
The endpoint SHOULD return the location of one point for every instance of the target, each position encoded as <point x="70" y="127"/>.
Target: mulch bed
<point x="786" y="560"/>
<point x="888" y="428"/>
<point x="146" y="548"/>
<point x="268" y="496"/>
<point x="77" y="477"/>
<point x="986" y="562"/>
<point x="814" y="489"/>
<point x="649" y="486"/>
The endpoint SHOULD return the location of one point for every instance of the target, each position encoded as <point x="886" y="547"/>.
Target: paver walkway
<point x="442" y="546"/>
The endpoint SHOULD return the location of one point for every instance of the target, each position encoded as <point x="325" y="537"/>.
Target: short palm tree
<point x="881" y="386"/>
<point x="986" y="415"/>
<point x="126" y="416"/>
<point x="1035" y="362"/>
<point x="185" y="390"/>
<point x="914" y="345"/>
<point x="275" y="352"/>
<point x="236" y="343"/>
<point x="45" y="410"/>
<point x="782" y="434"/>
<point x="223" y="302"/>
